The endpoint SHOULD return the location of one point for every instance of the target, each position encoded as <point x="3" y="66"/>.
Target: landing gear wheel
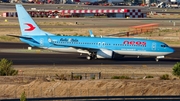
<point x="88" y="57"/>
<point x="157" y="59"/>
<point x="95" y="57"/>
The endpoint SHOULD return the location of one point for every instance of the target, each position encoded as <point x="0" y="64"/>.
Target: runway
<point x="38" y="58"/>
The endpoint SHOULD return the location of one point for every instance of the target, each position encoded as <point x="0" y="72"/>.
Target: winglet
<point x="91" y="33"/>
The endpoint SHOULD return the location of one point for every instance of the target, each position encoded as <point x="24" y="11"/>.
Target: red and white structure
<point x="95" y="11"/>
<point x="117" y="13"/>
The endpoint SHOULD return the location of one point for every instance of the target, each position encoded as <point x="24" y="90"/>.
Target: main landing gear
<point x="157" y="59"/>
<point x="88" y="57"/>
<point x="91" y="56"/>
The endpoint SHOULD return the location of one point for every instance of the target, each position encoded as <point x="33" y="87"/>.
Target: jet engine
<point x="117" y="56"/>
<point x="104" y="53"/>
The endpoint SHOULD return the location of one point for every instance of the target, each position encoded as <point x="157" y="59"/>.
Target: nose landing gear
<point x="159" y="57"/>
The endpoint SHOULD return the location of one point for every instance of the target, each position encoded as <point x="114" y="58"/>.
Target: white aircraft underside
<point x="121" y="52"/>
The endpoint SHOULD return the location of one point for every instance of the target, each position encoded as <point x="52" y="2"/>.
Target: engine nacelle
<point x="117" y="56"/>
<point x="104" y="53"/>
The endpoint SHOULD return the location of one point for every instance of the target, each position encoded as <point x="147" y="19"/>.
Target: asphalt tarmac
<point x="93" y="22"/>
<point x="46" y="58"/>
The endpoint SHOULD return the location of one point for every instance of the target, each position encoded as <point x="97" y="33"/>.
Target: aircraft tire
<point x="88" y="57"/>
<point x="157" y="59"/>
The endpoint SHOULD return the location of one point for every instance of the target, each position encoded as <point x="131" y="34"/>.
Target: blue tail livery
<point x="94" y="47"/>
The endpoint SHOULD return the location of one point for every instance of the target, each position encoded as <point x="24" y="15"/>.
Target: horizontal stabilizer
<point x="19" y="36"/>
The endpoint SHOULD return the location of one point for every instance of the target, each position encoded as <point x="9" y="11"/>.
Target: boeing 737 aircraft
<point x="94" y="47"/>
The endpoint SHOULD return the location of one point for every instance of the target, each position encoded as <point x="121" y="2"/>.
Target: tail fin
<point x="27" y="25"/>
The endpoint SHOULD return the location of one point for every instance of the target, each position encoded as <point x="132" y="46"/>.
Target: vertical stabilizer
<point x="27" y="25"/>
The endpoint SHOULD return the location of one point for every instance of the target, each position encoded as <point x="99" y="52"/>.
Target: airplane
<point x="94" y="47"/>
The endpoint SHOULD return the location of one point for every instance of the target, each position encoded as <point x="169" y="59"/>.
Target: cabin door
<point x="101" y="44"/>
<point x="41" y="42"/>
<point x="154" y="46"/>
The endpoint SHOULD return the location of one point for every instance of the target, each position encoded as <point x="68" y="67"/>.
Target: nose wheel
<point x="157" y="59"/>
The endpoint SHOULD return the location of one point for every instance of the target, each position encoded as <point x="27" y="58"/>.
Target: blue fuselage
<point x="118" y="45"/>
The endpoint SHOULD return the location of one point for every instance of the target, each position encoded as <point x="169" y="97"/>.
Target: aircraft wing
<point x="72" y="45"/>
<point x="76" y="46"/>
<point x="83" y="48"/>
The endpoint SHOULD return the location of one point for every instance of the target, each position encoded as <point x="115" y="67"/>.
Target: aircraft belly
<point x="68" y="49"/>
<point x="146" y="53"/>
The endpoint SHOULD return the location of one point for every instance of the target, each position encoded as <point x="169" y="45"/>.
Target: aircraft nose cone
<point x="171" y="50"/>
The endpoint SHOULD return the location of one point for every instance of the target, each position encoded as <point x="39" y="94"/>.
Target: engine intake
<point x="104" y="53"/>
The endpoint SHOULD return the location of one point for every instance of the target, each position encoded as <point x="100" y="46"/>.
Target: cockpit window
<point x="164" y="45"/>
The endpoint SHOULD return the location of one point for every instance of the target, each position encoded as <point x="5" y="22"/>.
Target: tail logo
<point x="31" y="27"/>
